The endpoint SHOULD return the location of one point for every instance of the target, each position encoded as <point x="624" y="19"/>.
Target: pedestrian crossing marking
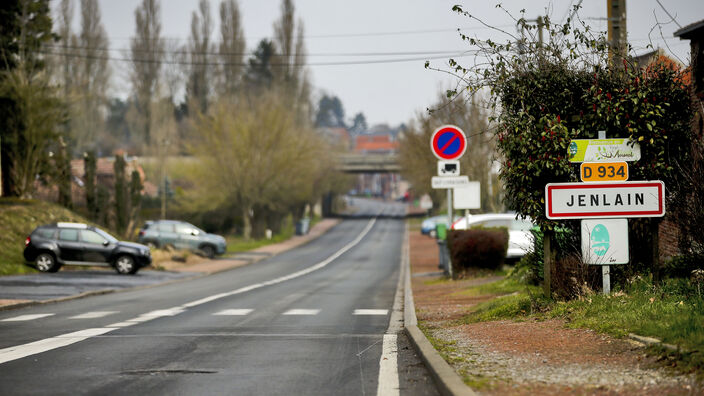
<point x="22" y="318"/>
<point x="302" y="312"/>
<point x="371" y="311"/>
<point x="93" y="315"/>
<point x="234" y="312"/>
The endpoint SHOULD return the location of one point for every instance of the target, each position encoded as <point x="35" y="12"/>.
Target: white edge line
<point x="388" y="383"/>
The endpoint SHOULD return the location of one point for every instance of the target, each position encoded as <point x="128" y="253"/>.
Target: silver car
<point x="181" y="235"/>
<point x="520" y="239"/>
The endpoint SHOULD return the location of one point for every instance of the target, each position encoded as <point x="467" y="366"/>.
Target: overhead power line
<point x="352" y="35"/>
<point x="191" y="63"/>
<point x="248" y="53"/>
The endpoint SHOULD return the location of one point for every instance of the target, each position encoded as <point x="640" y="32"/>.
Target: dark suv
<point x="51" y="246"/>
<point x="181" y="235"/>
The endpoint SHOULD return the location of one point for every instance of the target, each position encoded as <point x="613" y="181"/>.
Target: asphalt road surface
<point x="320" y="319"/>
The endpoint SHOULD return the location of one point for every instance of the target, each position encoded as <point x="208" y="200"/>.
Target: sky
<point x="371" y="53"/>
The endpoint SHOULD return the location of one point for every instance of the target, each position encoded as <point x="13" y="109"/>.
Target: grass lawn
<point x="237" y="244"/>
<point x="18" y="218"/>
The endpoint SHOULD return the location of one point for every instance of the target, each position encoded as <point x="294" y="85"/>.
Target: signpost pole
<point x="605" y="270"/>
<point x="449" y="222"/>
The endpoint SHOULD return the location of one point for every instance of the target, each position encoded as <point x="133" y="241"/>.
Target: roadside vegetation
<point x="18" y="218"/>
<point x="543" y="93"/>
<point x="671" y="312"/>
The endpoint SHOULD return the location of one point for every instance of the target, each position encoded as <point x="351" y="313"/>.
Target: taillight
<point x="27" y="241"/>
<point x="141" y="232"/>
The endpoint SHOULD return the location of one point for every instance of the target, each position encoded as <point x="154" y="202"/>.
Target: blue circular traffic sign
<point x="448" y="142"/>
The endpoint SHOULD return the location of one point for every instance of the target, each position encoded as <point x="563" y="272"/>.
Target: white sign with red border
<point x="605" y="200"/>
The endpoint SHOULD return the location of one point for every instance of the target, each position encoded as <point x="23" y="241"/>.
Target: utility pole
<point x="617" y="34"/>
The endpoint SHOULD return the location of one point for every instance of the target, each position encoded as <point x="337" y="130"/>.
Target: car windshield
<point x="105" y="235"/>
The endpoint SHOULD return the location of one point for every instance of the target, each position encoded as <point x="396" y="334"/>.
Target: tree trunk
<point x="247" y="224"/>
<point x="548" y="258"/>
<point x="655" y="250"/>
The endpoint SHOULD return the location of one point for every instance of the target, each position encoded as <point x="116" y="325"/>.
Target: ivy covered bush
<point x="570" y="87"/>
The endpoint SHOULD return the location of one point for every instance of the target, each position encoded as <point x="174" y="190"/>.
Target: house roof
<point x="375" y="143"/>
<point x="690" y="30"/>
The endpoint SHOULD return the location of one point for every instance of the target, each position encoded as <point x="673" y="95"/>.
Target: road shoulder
<point x="528" y="357"/>
<point x="193" y="268"/>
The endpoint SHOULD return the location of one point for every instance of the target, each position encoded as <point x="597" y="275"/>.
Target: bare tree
<point x="66" y="40"/>
<point x="147" y="54"/>
<point x="92" y="78"/>
<point x="291" y="73"/>
<point x="232" y="46"/>
<point x="198" y="88"/>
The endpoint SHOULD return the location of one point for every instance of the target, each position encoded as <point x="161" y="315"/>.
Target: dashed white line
<point x="234" y="312"/>
<point x="93" y="315"/>
<point x="23" y="318"/>
<point x="20" y="351"/>
<point x="371" y="312"/>
<point x="302" y="312"/>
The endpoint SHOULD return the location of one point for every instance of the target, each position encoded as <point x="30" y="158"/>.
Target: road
<point x="323" y="318"/>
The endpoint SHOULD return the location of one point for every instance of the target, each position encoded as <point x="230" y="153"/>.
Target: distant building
<point x="383" y="143"/>
<point x="337" y="136"/>
<point x="105" y="176"/>
<point x="695" y="34"/>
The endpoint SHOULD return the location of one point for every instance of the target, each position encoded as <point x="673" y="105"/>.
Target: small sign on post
<point x="603" y="171"/>
<point x="449" y="182"/>
<point x="603" y="150"/>
<point x="448" y="168"/>
<point x="468" y="196"/>
<point x="605" y="241"/>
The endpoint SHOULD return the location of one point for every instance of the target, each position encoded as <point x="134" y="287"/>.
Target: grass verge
<point x="18" y="217"/>
<point x="672" y="312"/>
<point x="237" y="244"/>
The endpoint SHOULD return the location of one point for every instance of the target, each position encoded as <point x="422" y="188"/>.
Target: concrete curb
<point x="196" y="276"/>
<point x="650" y="341"/>
<point x="447" y="380"/>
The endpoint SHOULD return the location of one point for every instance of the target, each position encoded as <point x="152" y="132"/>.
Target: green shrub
<point x="682" y="266"/>
<point x="478" y="248"/>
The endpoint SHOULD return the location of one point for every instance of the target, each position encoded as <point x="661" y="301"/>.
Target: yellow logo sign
<point x="603" y="171"/>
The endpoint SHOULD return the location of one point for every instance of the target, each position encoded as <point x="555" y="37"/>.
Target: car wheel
<point x="125" y="265"/>
<point x="45" y="262"/>
<point x="208" y="251"/>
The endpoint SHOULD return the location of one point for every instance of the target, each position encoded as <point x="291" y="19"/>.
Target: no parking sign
<point x="448" y="142"/>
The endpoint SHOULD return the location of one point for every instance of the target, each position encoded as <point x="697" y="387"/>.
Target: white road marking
<point x="20" y="351"/>
<point x="23" y="318"/>
<point x="234" y="312"/>
<point x="93" y="315"/>
<point x="388" y="383"/>
<point x="302" y="312"/>
<point x="294" y="275"/>
<point x="122" y="324"/>
<point x="371" y="311"/>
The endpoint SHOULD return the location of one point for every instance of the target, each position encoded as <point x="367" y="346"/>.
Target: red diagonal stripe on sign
<point x="454" y="137"/>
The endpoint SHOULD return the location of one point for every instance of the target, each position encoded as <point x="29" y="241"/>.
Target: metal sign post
<point x="448" y="144"/>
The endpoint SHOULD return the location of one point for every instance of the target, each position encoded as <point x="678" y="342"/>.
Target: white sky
<point x="390" y="92"/>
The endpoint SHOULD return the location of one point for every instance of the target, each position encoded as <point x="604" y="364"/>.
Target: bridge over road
<point x="368" y="163"/>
